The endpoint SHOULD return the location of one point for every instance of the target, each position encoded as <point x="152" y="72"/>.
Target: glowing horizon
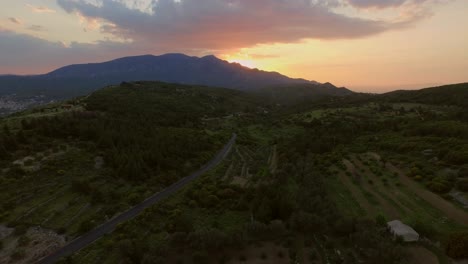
<point x="370" y="46"/>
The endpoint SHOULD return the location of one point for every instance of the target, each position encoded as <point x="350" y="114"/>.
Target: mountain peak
<point x="172" y="67"/>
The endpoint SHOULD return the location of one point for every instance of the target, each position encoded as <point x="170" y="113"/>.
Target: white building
<point x="406" y="232"/>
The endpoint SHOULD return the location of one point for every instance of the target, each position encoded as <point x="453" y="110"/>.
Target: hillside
<point x="300" y="93"/>
<point x="306" y="181"/>
<point x="100" y="154"/>
<point x="454" y="94"/>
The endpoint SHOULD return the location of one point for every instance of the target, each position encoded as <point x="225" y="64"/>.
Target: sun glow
<point x="243" y="59"/>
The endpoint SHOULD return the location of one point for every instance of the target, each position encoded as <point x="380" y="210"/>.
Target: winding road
<point x="109" y="226"/>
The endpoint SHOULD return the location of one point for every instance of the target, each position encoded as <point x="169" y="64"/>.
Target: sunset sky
<point x="365" y="45"/>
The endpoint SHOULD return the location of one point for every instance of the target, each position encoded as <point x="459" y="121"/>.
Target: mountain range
<point x="80" y="79"/>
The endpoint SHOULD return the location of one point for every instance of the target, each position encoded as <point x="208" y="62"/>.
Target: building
<point x="406" y="232"/>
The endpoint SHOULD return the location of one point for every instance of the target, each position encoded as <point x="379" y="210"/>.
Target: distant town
<point x="12" y="103"/>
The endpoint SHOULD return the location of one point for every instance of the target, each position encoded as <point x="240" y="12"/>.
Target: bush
<point x="457" y="246"/>
<point x="85" y="226"/>
<point x="313" y="255"/>
<point x="28" y="162"/>
<point x="18" y="254"/>
<point x="462" y="185"/>
<point x="423" y="228"/>
<point x="439" y="186"/>
<point x="200" y="257"/>
<point x="23" y="240"/>
<point x="20" y="230"/>
<point x="380" y="220"/>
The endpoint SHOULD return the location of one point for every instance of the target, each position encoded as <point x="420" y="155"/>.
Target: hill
<point x="453" y="94"/>
<point x="75" y="80"/>
<point x="300" y="93"/>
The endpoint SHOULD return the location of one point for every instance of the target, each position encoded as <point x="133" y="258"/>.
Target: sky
<point x="365" y="45"/>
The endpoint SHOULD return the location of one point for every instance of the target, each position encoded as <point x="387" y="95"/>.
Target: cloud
<point x="376" y="3"/>
<point x="24" y="54"/>
<point x="37" y="28"/>
<point x="196" y="27"/>
<point x="15" y="20"/>
<point x="229" y="24"/>
<point x="40" y="9"/>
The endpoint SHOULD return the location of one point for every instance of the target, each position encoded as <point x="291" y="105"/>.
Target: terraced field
<point x="250" y="164"/>
<point x="368" y="186"/>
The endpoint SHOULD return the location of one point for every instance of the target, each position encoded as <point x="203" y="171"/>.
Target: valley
<point x="310" y="179"/>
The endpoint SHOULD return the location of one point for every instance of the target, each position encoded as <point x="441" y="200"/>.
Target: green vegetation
<point x="305" y="182"/>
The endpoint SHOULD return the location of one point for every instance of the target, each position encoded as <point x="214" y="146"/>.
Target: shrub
<point x="457" y="246"/>
<point x="85" y="226"/>
<point x="380" y="220"/>
<point x="62" y="230"/>
<point x="312" y="255"/>
<point x="462" y="185"/>
<point x="423" y="228"/>
<point x="23" y="240"/>
<point x="200" y="257"/>
<point x="439" y="186"/>
<point x="18" y="254"/>
<point x="20" y="230"/>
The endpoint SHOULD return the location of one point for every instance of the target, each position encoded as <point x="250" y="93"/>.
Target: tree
<point x="3" y="152"/>
<point x="380" y="220"/>
<point x="183" y="222"/>
<point x="6" y="130"/>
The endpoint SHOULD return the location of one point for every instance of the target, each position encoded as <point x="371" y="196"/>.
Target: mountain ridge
<point x="80" y="79"/>
<point x="149" y="59"/>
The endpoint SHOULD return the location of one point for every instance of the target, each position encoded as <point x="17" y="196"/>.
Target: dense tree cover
<point x="143" y="128"/>
<point x="147" y="134"/>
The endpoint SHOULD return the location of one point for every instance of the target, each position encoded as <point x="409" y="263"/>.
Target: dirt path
<point x="420" y="254"/>
<point x="389" y="210"/>
<point x="438" y="202"/>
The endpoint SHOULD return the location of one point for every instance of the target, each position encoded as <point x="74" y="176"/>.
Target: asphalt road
<point x="109" y="226"/>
